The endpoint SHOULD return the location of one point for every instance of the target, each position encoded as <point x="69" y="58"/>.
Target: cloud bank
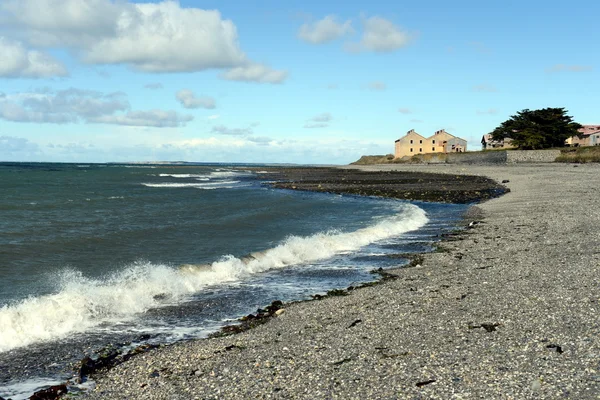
<point x="150" y="37"/>
<point x="76" y="105"/>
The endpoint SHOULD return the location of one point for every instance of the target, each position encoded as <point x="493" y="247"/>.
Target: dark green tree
<point x="538" y="129"/>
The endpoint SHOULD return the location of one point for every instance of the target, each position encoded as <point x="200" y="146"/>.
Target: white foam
<point x="199" y="176"/>
<point x="83" y="303"/>
<point x="219" y="173"/>
<point x="210" y="185"/>
<point x="24" y="389"/>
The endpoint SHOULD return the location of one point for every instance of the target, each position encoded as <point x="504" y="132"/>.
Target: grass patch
<point x="579" y="155"/>
<point x="371" y="160"/>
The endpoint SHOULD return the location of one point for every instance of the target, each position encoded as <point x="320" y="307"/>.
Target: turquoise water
<point x="95" y="254"/>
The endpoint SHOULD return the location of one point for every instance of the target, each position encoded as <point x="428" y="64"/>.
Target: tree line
<point x="537" y="129"/>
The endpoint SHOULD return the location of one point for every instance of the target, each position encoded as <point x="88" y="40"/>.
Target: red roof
<point x="589" y="129"/>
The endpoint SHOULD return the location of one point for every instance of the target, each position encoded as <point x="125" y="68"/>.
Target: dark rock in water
<point x="53" y="392"/>
<point x="107" y="358"/>
<point x="251" y="320"/>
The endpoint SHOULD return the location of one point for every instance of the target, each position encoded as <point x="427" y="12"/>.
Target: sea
<point x="93" y="255"/>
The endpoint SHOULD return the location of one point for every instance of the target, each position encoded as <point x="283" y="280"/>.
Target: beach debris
<point x="251" y="320"/>
<point x="107" y="358"/>
<point x="556" y="347"/>
<point x="233" y="346"/>
<point x="505" y="181"/>
<point x="385" y="353"/>
<point x="472" y="224"/>
<point x="51" y="393"/>
<point x="423" y="383"/>
<point x="487" y="327"/>
<point x="154" y="374"/>
<point x="356" y="322"/>
<point x="279" y="312"/>
<point x="340" y="362"/>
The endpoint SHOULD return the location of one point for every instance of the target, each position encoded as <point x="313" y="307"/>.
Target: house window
<point x="420" y="150"/>
<point x="433" y="149"/>
<point x="433" y="141"/>
<point x="410" y="141"/>
<point x="411" y="150"/>
<point x="420" y="141"/>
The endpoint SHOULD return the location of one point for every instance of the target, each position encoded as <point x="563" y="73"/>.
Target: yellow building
<point x="440" y="142"/>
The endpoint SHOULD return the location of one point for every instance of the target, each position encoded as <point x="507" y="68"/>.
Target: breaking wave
<point x="210" y="185"/>
<point x="83" y="303"/>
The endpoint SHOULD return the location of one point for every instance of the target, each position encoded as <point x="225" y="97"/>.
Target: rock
<point x="53" y="392"/>
<point x="427" y="382"/>
<point x="536" y="385"/>
<point x="556" y="347"/>
<point x="356" y="322"/>
<point x="279" y="312"/>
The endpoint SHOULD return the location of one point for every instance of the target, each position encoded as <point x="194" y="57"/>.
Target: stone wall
<point x="532" y="156"/>
<point x="480" y="157"/>
<point x="493" y="157"/>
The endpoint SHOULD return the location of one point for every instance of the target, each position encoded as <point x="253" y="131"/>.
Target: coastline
<point x="500" y="313"/>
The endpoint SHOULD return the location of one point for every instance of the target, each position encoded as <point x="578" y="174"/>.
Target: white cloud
<point x="255" y="73"/>
<point x="261" y="140"/>
<point x="569" y="68"/>
<point x="324" y="30"/>
<point x="319" y="121"/>
<point x="62" y="107"/>
<point x="484" y="88"/>
<point x="312" y="125"/>
<point x="12" y="144"/>
<point x="152" y="118"/>
<point x="380" y="35"/>
<point x="18" y="62"/>
<point x="187" y="99"/>
<point x="164" y="37"/>
<point x="58" y="23"/>
<point x="324" y="117"/>
<point x="377" y="86"/>
<point x="404" y="110"/>
<point x="223" y="130"/>
<point x="214" y="116"/>
<point x="168" y="144"/>
<point x="75" y="105"/>
<point x="151" y="37"/>
<point x="153" y="86"/>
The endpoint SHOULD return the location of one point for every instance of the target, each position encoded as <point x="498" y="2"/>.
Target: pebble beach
<point x="507" y="308"/>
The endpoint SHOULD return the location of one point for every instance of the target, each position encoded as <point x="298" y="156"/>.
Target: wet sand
<point x="507" y="310"/>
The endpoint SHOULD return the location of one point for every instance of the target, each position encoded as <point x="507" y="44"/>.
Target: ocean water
<point x="98" y="254"/>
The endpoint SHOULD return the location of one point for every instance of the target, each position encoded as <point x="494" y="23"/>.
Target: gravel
<point x="508" y="310"/>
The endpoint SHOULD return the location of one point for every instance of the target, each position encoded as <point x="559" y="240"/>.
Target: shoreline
<point x="483" y="318"/>
<point x="413" y="186"/>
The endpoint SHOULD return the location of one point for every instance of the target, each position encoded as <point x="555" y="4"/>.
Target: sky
<point x="308" y="82"/>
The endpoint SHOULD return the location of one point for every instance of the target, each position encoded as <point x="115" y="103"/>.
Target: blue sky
<point x="273" y="81"/>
